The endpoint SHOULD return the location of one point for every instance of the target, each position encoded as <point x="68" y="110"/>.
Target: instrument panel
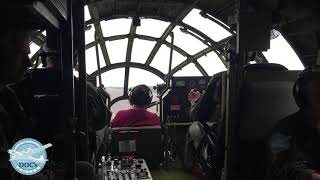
<point x="123" y="168"/>
<point x="199" y="83"/>
<point x="175" y="104"/>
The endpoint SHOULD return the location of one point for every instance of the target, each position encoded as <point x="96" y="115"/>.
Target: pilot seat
<point x="142" y="142"/>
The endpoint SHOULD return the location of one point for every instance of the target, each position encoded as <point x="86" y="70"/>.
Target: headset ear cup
<point x="130" y="97"/>
<point x="150" y="96"/>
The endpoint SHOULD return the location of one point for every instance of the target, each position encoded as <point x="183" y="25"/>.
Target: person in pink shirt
<point x="139" y="97"/>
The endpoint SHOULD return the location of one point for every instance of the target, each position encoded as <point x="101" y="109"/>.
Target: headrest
<point x="264" y="67"/>
<point x="216" y="78"/>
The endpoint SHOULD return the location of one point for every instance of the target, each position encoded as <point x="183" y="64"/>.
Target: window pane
<point x="161" y="60"/>
<point x="208" y="27"/>
<point x="189" y="70"/>
<point x="86" y="13"/>
<point x="91" y="60"/>
<point x="33" y="49"/>
<point x="115" y="27"/>
<point x="282" y="53"/>
<point x="141" y="50"/>
<point x="139" y="76"/>
<point x="212" y="63"/>
<point x="117" y="50"/>
<point x="89" y="35"/>
<point x="186" y="42"/>
<point x="152" y="27"/>
<point x="113" y="81"/>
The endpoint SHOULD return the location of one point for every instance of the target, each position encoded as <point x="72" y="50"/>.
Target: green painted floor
<point x="171" y="174"/>
<point x="176" y="172"/>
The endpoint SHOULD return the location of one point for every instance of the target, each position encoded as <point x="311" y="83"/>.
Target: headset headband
<point x="140" y="95"/>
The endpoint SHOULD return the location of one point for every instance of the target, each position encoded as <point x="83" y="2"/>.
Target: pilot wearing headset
<point x="295" y="143"/>
<point x="140" y="98"/>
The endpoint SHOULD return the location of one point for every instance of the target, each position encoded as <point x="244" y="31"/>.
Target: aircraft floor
<point x="175" y="172"/>
<point x="171" y="174"/>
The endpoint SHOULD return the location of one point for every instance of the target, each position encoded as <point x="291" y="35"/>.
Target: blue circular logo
<point x="28" y="156"/>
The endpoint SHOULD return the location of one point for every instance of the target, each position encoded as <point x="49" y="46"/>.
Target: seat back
<point x="143" y="142"/>
<point x="41" y="97"/>
<point x="265" y="98"/>
<point x="211" y="106"/>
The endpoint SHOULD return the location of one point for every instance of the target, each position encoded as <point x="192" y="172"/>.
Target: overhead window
<point x="225" y="25"/>
<point x="208" y="27"/>
<point x="141" y="50"/>
<point x="189" y="70"/>
<point x="115" y="27"/>
<point x="161" y="59"/>
<point x="282" y="53"/>
<point x="212" y="63"/>
<point x="187" y="42"/>
<point x="117" y="50"/>
<point x="152" y="27"/>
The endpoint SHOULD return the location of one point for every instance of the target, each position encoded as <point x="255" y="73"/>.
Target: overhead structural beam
<point x="39" y="40"/>
<point x="142" y="37"/>
<point x="133" y="65"/>
<point x="194" y="58"/>
<point x="131" y="37"/>
<point x="94" y="13"/>
<point x="35" y="57"/>
<point x="199" y="33"/>
<point x="201" y="69"/>
<point x="189" y="29"/>
<point x="222" y="58"/>
<point x="37" y="37"/>
<point x="208" y="16"/>
<point x="191" y="59"/>
<point x="132" y="32"/>
<point x="42" y="10"/>
<point x="216" y="47"/>
<point x="169" y="29"/>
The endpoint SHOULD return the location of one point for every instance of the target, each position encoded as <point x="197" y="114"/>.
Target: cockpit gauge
<point x="192" y="84"/>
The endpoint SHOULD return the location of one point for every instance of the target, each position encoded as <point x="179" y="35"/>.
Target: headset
<point x="140" y="95"/>
<point x="302" y="81"/>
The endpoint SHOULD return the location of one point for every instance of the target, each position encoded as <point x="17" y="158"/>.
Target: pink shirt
<point x="134" y="118"/>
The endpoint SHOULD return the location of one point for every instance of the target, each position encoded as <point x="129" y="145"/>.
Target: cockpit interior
<point x="241" y="57"/>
